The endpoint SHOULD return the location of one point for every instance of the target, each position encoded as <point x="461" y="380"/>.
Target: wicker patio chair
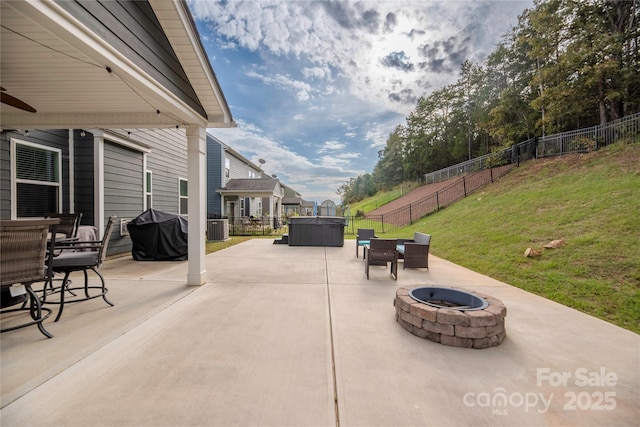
<point x="70" y="260"/>
<point x="26" y="247"/>
<point x="381" y="252"/>
<point x="415" y="252"/>
<point x="363" y="236"/>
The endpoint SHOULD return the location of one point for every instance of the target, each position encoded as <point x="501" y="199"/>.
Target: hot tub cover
<point x="158" y="236"/>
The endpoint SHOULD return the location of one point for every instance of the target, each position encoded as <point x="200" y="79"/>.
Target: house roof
<point x="296" y="201"/>
<point x="249" y="185"/>
<point x="54" y="58"/>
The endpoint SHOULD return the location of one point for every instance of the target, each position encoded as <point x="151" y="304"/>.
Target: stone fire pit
<point x="451" y="316"/>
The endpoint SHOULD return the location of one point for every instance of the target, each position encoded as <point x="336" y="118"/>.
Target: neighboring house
<point x="238" y="188"/>
<point x="309" y="208"/>
<point x="121" y="98"/>
<point x="223" y="165"/>
<point x="291" y="202"/>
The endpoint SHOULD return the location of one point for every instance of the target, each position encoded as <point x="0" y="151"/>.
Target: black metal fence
<point x="589" y="139"/>
<point x="577" y="141"/>
<point x="446" y="196"/>
<point x="259" y="226"/>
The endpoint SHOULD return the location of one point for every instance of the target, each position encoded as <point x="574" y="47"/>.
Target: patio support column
<point x="197" y="175"/>
<point x="272" y="212"/>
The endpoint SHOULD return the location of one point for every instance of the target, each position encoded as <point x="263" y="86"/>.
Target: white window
<point x="38" y="179"/>
<point x="227" y="167"/>
<point x="183" y="189"/>
<point x="148" y="192"/>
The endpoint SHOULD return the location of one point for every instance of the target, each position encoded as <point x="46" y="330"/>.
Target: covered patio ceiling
<point x="74" y="79"/>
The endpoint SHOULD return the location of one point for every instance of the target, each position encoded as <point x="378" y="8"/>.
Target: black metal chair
<point x="363" y="236"/>
<point x="381" y="252"/>
<point x="25" y="259"/>
<point x="69" y="223"/>
<point x="75" y="257"/>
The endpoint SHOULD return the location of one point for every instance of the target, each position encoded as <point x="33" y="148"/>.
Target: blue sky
<point x="316" y="87"/>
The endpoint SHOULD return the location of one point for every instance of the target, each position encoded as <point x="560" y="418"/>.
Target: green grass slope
<point x="591" y="201"/>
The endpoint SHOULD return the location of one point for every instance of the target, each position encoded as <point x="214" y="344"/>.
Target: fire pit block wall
<point x="471" y="329"/>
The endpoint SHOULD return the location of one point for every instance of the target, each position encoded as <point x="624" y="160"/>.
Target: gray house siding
<point x="215" y="173"/>
<point x="123" y="190"/>
<point x="132" y="28"/>
<point x="84" y="179"/>
<point x="167" y="165"/>
<point x="5" y="176"/>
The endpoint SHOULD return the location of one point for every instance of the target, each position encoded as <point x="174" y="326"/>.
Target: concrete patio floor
<point x="296" y="336"/>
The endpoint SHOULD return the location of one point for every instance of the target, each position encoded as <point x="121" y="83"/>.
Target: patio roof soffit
<point x="118" y="94"/>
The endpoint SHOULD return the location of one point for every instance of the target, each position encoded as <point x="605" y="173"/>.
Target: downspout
<point x="98" y="182"/>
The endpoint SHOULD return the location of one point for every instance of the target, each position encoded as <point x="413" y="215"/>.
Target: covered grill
<point x="158" y="236"/>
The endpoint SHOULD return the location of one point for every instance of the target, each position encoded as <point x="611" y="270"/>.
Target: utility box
<point x="218" y="229"/>
<point x="316" y="231"/>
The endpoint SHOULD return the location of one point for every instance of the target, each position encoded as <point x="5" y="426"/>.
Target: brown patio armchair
<point x="26" y="248"/>
<point x="415" y="252"/>
<point x="75" y="257"/>
<point x="382" y="252"/>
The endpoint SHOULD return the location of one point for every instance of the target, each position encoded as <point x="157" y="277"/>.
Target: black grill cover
<point x="158" y="236"/>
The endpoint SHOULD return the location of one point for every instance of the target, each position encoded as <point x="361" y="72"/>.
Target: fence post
<point x="464" y="186"/>
<point x="437" y="200"/>
<point x="410" y="215"/>
<point x="491" y="173"/>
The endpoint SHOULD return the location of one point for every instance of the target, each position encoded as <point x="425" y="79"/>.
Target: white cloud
<point x="303" y="89"/>
<point x="331" y="146"/>
<point x="390" y="53"/>
<point x="317" y="72"/>
<point x="338" y="77"/>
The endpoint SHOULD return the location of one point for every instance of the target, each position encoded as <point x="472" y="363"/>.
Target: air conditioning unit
<point x="218" y="229"/>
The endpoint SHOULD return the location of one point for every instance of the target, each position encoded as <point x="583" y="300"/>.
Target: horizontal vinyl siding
<point x="84" y="178"/>
<point x="168" y="162"/>
<point x="240" y="169"/>
<point x="5" y="175"/>
<point x="123" y="190"/>
<point x="215" y="171"/>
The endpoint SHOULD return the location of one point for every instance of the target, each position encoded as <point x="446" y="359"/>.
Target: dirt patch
<point x="413" y="196"/>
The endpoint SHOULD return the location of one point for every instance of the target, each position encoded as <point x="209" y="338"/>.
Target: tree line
<point x="567" y="64"/>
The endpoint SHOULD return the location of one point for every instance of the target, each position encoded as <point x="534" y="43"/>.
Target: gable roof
<point x="251" y="185"/>
<point x="292" y="201"/>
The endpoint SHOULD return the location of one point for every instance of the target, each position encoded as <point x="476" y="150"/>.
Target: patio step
<point x="282" y="241"/>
